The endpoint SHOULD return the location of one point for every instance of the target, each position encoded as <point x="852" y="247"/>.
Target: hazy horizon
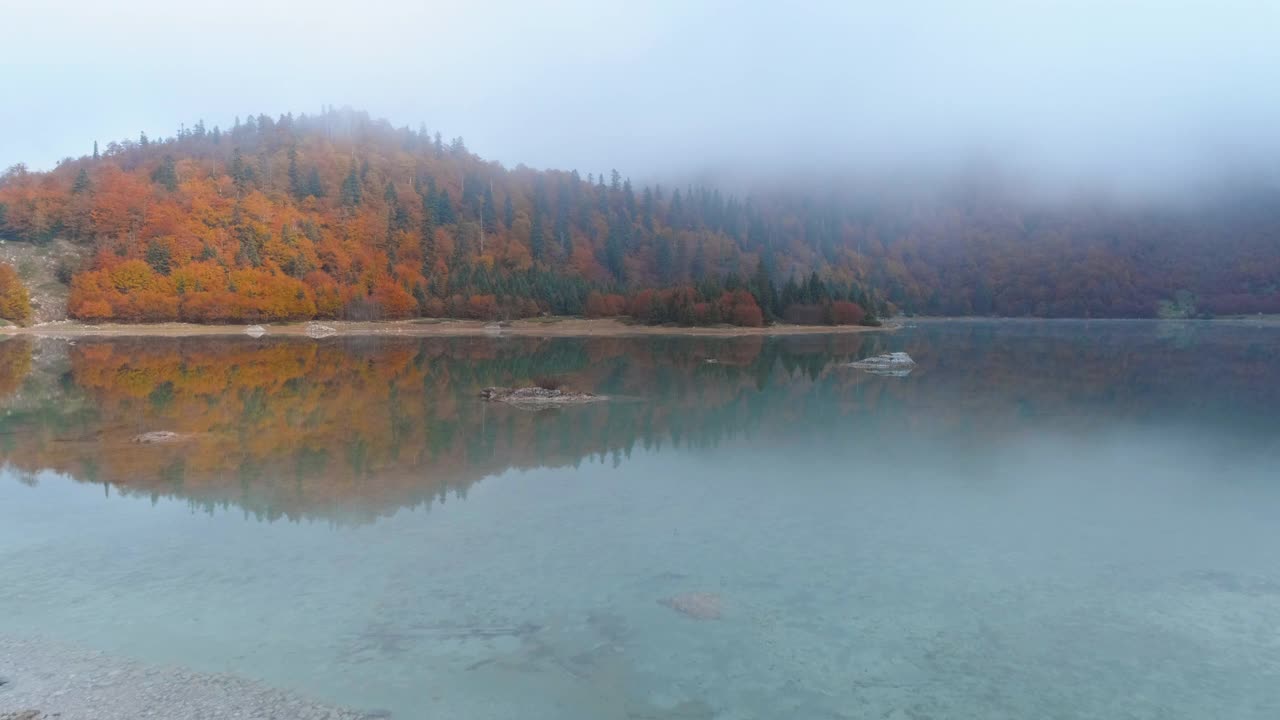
<point x="1144" y="96"/>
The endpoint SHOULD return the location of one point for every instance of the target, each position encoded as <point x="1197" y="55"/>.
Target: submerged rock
<point x="316" y="330"/>
<point x="697" y="605"/>
<point x="157" y="436"/>
<point x="538" y="397"/>
<point x="895" y="364"/>
<point x="255" y="331"/>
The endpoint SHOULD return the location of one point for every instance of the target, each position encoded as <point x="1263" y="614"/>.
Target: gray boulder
<point x="895" y="364"/>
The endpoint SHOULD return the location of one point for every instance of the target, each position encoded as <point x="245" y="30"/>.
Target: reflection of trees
<point x="295" y="427"/>
<point x="354" y="428"/>
<point x="15" y="362"/>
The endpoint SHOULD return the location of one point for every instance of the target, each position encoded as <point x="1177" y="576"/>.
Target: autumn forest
<point x="337" y="215"/>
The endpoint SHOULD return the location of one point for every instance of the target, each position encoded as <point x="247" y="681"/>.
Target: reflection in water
<point x="360" y="427"/>
<point x="15" y="362"/>
<point x="350" y="429"/>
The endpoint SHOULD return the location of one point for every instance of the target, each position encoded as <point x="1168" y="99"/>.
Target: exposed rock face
<point x="537" y="397"/>
<point x="316" y="330"/>
<point x="697" y="605"/>
<point x="157" y="436"/>
<point x="896" y="364"/>
<point x="255" y="331"/>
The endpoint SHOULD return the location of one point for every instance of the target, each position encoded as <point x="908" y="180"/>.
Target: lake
<point x="1044" y="519"/>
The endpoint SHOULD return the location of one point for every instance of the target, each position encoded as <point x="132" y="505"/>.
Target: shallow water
<point x="1041" y="520"/>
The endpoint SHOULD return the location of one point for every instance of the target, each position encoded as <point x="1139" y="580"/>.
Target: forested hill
<point x="338" y="215"/>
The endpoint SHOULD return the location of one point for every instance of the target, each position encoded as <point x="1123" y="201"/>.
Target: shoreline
<point x="554" y="327"/>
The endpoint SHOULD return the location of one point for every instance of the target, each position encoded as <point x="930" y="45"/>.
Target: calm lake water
<point x="1043" y="520"/>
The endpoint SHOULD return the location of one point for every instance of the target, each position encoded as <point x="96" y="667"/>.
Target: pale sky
<point x="1134" y="91"/>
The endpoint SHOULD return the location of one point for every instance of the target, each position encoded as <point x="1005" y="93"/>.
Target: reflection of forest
<point x="354" y="428"/>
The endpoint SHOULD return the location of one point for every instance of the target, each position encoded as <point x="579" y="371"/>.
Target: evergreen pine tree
<point x="444" y="209"/>
<point x="158" y="257"/>
<point x="427" y="241"/>
<point x="615" y="251"/>
<point x="352" y="192"/>
<point x="296" y="186"/>
<point x="665" y="259"/>
<point x="629" y="199"/>
<point x="241" y="172"/>
<point x="81" y="185"/>
<point x="537" y="243"/>
<point x="314" y="187"/>
<point x="166" y="174"/>
<point x="699" y="267"/>
<point x="489" y="212"/>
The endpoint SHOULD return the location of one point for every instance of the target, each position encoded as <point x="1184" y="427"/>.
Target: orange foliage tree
<point x="15" y="301"/>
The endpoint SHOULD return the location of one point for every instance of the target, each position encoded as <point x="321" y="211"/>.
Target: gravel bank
<point x="42" y="681"/>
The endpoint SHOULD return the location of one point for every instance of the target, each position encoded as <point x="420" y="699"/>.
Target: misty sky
<point x="1135" y="91"/>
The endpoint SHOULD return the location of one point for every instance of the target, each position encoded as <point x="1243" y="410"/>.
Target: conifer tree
<point x="296" y="186"/>
<point x="166" y="174"/>
<point x="352" y="192"/>
<point x="314" y="187"/>
<point x="489" y="213"/>
<point x="81" y="185"/>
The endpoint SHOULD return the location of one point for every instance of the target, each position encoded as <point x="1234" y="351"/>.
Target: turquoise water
<point x="1043" y="520"/>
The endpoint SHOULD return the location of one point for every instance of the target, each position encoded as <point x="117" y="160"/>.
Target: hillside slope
<point x="338" y="215"/>
<point x="46" y="271"/>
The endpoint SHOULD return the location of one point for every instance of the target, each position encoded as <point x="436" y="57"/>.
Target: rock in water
<point x="697" y="605"/>
<point x="157" y="436"/>
<point x="317" y="331"/>
<point x="255" y="331"/>
<point x="537" y="397"/>
<point x="896" y="364"/>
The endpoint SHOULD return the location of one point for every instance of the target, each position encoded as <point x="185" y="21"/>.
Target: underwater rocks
<point x="697" y="605"/>
<point x="538" y="397"/>
<point x="50" y="680"/>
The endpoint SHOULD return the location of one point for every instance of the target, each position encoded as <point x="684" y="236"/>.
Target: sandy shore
<point x="42" y="681"/>
<point x="554" y="327"/>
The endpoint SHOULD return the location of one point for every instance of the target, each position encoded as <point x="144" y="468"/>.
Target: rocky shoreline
<point x="44" y="680"/>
